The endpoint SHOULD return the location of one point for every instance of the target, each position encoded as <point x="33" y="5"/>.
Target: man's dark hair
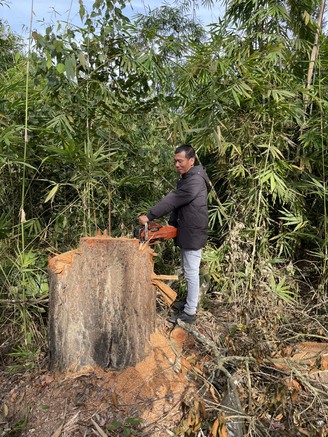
<point x="190" y="152"/>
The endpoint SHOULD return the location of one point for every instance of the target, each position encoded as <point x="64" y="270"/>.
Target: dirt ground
<point x="146" y="397"/>
<point x="180" y="388"/>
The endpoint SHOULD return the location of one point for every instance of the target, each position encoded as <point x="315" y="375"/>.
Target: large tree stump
<point x="102" y="305"/>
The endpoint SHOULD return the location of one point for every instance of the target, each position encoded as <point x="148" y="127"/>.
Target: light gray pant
<point x="190" y="262"/>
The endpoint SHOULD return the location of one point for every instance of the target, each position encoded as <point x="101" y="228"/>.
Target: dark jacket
<point x="188" y="207"/>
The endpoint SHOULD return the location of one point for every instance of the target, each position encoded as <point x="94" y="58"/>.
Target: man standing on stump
<point x="189" y="214"/>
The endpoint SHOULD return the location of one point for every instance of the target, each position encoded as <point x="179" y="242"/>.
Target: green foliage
<point x="24" y="358"/>
<point x="104" y="105"/>
<point x="10" y="45"/>
<point x="245" y="111"/>
<point x="24" y="284"/>
<point x="125" y="427"/>
<point x="281" y="290"/>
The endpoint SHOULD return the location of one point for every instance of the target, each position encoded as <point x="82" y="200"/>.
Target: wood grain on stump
<point x="102" y="305"/>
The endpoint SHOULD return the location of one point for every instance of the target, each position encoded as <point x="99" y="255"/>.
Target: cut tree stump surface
<point x="102" y="305"/>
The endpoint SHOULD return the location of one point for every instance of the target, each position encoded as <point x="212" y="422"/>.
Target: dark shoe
<point x="178" y="305"/>
<point x="184" y="317"/>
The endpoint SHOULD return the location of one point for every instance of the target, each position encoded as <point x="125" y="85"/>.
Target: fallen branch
<point x="220" y="360"/>
<point x="235" y="424"/>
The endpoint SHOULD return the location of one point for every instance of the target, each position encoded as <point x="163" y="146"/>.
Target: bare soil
<point x="182" y="387"/>
<point x="44" y="403"/>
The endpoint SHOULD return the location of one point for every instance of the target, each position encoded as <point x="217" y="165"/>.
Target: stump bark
<point x="102" y="305"/>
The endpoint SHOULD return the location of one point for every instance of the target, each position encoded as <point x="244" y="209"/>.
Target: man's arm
<point x="177" y="198"/>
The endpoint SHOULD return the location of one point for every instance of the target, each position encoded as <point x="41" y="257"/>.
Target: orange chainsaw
<point x="154" y="233"/>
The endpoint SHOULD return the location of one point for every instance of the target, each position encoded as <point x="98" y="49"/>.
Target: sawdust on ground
<point x="48" y="404"/>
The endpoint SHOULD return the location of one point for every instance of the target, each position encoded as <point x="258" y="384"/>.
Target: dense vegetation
<point x="90" y="116"/>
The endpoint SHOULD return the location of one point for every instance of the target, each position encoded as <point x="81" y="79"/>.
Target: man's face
<point x="183" y="164"/>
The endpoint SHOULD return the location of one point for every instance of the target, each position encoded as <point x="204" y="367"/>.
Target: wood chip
<point x="168" y="294"/>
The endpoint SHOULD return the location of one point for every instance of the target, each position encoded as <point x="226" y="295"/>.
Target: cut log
<point x="102" y="306"/>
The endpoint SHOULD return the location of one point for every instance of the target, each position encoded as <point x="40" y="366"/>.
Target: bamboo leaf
<point x="60" y="68"/>
<point x="235" y="96"/>
<point x="25" y="164"/>
<point x="82" y="60"/>
<point x="81" y="10"/>
<point x="306" y="17"/>
<point x="70" y="67"/>
<point x="52" y="193"/>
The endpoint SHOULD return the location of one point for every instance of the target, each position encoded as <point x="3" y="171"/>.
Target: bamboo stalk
<point x="315" y="48"/>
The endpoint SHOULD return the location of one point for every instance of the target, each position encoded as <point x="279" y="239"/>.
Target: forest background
<point x="89" y="119"/>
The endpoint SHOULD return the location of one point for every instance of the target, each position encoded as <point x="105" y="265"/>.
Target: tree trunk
<point x="102" y="305"/>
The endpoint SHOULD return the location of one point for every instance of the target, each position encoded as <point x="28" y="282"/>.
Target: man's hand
<point x="143" y="219"/>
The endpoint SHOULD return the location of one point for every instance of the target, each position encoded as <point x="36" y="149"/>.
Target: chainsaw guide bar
<point x="154" y="233"/>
